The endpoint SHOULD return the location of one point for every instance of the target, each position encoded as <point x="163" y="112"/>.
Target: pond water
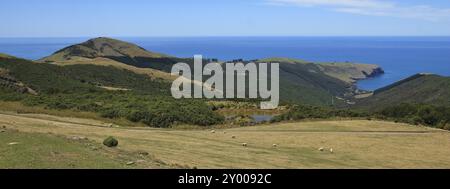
<point x="262" y="118"/>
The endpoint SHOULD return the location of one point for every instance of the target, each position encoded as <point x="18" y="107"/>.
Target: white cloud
<point x="373" y="8"/>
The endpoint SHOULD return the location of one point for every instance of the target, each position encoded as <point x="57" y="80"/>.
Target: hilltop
<point x="101" y="47"/>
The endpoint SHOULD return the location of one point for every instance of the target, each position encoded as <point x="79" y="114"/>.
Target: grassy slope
<point x="349" y="72"/>
<point x="79" y="87"/>
<point x="303" y="82"/>
<point x="5" y="56"/>
<point x="153" y="73"/>
<point x="115" y="50"/>
<point x="101" y="47"/>
<point x="356" y="144"/>
<point x="42" y="77"/>
<point x="428" y="89"/>
<point x="39" y="150"/>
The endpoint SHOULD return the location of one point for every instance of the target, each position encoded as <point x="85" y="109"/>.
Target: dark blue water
<point x="400" y="57"/>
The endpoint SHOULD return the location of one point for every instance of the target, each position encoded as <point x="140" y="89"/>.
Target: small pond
<point x="262" y="118"/>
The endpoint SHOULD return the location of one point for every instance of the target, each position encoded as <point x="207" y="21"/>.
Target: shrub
<point x="416" y="120"/>
<point x="447" y="127"/>
<point x="111" y="142"/>
<point x="299" y="112"/>
<point x="136" y="116"/>
<point x="428" y="115"/>
<point x="110" y="113"/>
<point x="434" y="116"/>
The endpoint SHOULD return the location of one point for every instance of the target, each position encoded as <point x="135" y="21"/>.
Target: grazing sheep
<point x="233" y="136"/>
<point x="274" y="145"/>
<point x="321" y="149"/>
<point x="213" y="131"/>
<point x="244" y="144"/>
<point x="331" y="150"/>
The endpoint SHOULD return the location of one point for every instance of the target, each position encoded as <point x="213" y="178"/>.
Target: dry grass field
<point x="355" y="144"/>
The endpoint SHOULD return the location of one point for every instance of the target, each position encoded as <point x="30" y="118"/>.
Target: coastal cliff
<point x="350" y="72"/>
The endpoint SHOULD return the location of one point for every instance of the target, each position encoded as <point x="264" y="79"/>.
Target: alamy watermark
<point x="229" y="83"/>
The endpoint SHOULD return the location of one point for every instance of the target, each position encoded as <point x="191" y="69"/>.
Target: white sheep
<point x="321" y="149"/>
<point x="213" y="131"/>
<point x="274" y="145"/>
<point x="331" y="150"/>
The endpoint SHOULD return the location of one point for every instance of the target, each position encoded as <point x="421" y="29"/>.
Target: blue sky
<point x="121" y="18"/>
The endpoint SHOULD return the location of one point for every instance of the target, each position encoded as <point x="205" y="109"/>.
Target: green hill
<point x="319" y="84"/>
<point x="101" y="47"/>
<point x="106" y="90"/>
<point x="350" y="72"/>
<point x="300" y="81"/>
<point x="113" y="49"/>
<point x="418" y="89"/>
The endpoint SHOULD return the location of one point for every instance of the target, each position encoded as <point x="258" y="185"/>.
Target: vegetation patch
<point x="111" y="142"/>
<point x="418" y="114"/>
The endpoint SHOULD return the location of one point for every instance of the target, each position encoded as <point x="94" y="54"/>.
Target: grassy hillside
<point x="20" y="150"/>
<point x="46" y="78"/>
<point x="418" y="89"/>
<point x="351" y="72"/>
<point x="101" y="61"/>
<point x="114" y="50"/>
<point x="101" y="47"/>
<point x="307" y="83"/>
<point x="300" y="82"/>
<point x="348" y="72"/>
<point x="88" y="88"/>
<point x="356" y="144"/>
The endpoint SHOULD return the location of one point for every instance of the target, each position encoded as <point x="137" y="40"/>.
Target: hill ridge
<point x="420" y="88"/>
<point x="101" y="47"/>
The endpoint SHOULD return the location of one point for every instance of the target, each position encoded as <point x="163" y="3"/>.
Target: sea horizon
<point x="399" y="56"/>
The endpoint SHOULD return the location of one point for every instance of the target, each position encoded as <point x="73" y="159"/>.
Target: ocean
<point x="400" y="57"/>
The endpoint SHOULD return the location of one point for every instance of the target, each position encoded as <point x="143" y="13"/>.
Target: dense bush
<point x="241" y="120"/>
<point x="110" y="113"/>
<point x="299" y="112"/>
<point x="434" y="116"/>
<point x="155" y="111"/>
<point x="77" y="87"/>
